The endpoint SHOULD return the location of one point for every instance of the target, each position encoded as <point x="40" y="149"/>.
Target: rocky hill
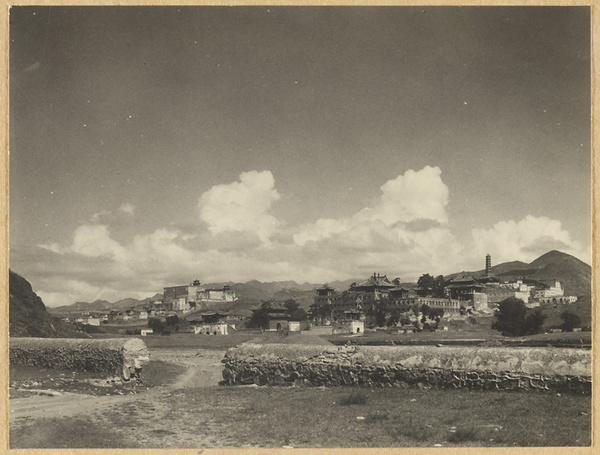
<point x="28" y="316"/>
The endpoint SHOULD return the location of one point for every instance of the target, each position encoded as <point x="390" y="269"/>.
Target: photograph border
<point x="4" y="215"/>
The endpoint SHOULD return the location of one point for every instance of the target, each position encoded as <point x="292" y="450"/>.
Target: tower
<point x="488" y="265"/>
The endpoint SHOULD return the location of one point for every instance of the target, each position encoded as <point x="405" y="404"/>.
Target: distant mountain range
<point x="574" y="275"/>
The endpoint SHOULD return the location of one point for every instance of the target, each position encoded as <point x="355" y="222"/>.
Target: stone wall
<point x="567" y="370"/>
<point x="121" y="356"/>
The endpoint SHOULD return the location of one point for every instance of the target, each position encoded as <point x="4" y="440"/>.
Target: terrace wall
<point x="121" y="356"/>
<point x="567" y="370"/>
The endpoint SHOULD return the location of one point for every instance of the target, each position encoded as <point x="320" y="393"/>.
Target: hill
<point x="574" y="275"/>
<point x="28" y="316"/>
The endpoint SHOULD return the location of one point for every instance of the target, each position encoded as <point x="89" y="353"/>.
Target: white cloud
<point x="415" y="197"/>
<point x="241" y="206"/>
<point x="524" y="240"/>
<point x="94" y="240"/>
<point x="127" y="208"/>
<point x="405" y="232"/>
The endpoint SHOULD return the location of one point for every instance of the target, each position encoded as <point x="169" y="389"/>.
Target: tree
<point x="514" y="319"/>
<point x="156" y="324"/>
<point x="436" y="314"/>
<point x="376" y="313"/>
<point x="570" y="321"/>
<point x="425" y="310"/>
<point x="296" y="313"/>
<point x="321" y="311"/>
<point x="172" y="320"/>
<point x="534" y="321"/>
<point x="260" y="317"/>
<point x="432" y="286"/>
<point x="394" y="318"/>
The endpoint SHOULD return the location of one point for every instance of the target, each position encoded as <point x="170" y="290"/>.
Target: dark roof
<point x="325" y="287"/>
<point x="462" y="278"/>
<point x="375" y="281"/>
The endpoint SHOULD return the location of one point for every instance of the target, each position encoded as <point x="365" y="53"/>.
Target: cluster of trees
<point x="570" y="321"/>
<point x="434" y="287"/>
<point x="171" y="323"/>
<point x="513" y="318"/>
<point x="378" y="315"/>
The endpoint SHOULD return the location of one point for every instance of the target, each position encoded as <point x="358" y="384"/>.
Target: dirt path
<point x="203" y="370"/>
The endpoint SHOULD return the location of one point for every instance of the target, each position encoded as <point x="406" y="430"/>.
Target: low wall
<point x="121" y="356"/>
<point x="405" y="366"/>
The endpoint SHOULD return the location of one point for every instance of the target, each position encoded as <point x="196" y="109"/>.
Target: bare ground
<point x="152" y="422"/>
<point x="190" y="410"/>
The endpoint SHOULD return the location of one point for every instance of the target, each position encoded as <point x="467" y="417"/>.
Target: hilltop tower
<point x="488" y="265"/>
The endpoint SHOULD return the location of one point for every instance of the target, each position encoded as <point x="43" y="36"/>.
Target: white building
<point x="210" y="329"/>
<point x="553" y="291"/>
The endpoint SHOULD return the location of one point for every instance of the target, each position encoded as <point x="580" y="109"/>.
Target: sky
<point x="151" y="146"/>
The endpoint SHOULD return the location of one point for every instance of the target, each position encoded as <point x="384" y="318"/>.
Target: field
<point x="180" y="404"/>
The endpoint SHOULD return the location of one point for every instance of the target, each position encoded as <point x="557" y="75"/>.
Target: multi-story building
<point x="555" y="290"/>
<point x="188" y="297"/>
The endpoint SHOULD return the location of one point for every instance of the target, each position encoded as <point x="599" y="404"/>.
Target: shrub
<point x="356" y="397"/>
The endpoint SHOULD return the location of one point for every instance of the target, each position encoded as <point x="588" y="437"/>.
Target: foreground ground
<point x="181" y="405"/>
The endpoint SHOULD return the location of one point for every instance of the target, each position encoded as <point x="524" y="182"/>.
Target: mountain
<point x="574" y="275"/>
<point x="28" y="316"/>
<point x="104" y="305"/>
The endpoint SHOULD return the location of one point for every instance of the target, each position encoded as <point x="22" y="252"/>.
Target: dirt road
<point x="148" y="408"/>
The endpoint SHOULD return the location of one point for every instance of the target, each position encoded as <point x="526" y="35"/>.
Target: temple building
<point x="189" y="297"/>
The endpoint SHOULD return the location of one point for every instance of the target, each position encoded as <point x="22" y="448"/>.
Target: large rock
<point x="403" y="366"/>
<point x="122" y="356"/>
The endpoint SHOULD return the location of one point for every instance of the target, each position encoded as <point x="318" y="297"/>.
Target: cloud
<point x="241" y="206"/>
<point x="404" y="232"/>
<point x="524" y="240"/>
<point x="94" y="240"/>
<point x="100" y="216"/>
<point x="127" y="208"/>
<point x="417" y="200"/>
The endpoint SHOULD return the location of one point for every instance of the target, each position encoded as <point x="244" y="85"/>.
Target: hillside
<point x="574" y="275"/>
<point x="28" y="316"/>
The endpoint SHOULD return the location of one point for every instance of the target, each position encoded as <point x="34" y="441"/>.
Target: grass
<point x="328" y="417"/>
<point x="355" y="397"/>
<point x="72" y="433"/>
<point x="191" y="341"/>
<point x="469" y="334"/>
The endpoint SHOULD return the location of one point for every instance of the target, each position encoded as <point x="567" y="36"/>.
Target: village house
<point x="212" y="323"/>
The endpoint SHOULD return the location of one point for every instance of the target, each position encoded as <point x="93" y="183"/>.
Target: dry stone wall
<point x="122" y="356"/>
<point x="492" y="368"/>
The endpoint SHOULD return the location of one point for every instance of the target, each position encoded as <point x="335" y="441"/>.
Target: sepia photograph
<point x="299" y="227"/>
